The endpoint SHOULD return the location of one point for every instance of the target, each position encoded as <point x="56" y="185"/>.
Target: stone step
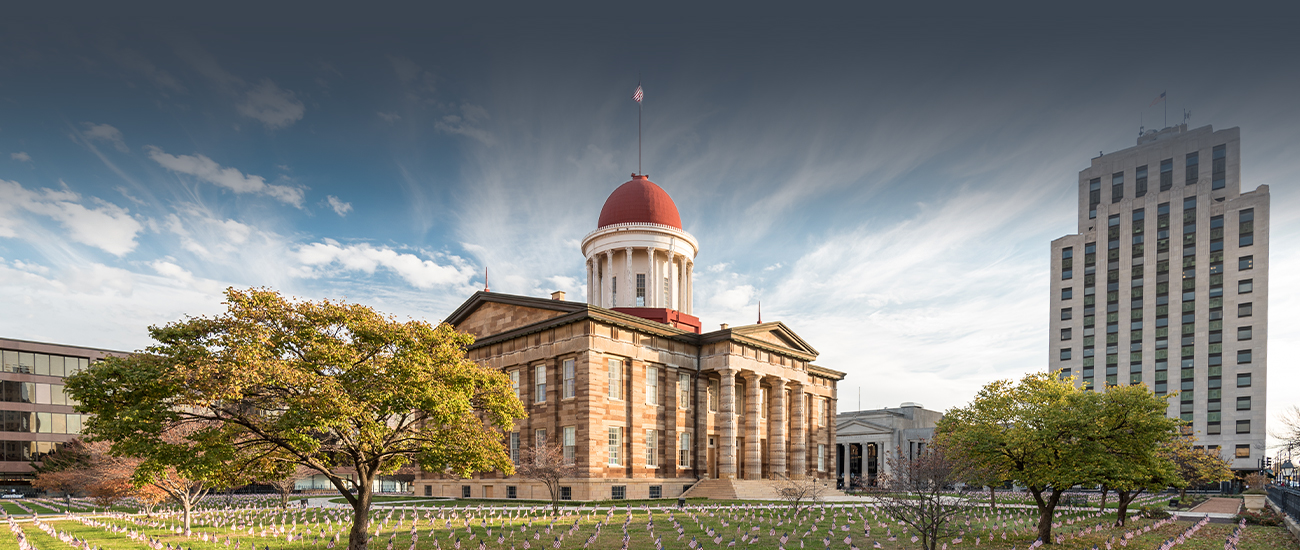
<point x="746" y="489"/>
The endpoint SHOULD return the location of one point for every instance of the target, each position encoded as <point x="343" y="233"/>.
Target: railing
<point x="1287" y="499"/>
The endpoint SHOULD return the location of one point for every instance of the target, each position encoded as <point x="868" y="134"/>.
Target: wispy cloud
<point x="21" y="156"/>
<point x="208" y="170"/>
<point x="102" y="225"/>
<point x="104" y="132"/>
<point x="264" y="101"/>
<point x="341" y="208"/>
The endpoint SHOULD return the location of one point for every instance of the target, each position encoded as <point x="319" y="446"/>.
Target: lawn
<point x="753" y="526"/>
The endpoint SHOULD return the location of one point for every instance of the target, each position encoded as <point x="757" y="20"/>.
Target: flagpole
<point x="638" y="131"/>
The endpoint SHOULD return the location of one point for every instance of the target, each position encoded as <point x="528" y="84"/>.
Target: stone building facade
<point x="641" y="400"/>
<point x="867" y="441"/>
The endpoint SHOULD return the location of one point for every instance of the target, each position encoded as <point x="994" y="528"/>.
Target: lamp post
<point x="1288" y="472"/>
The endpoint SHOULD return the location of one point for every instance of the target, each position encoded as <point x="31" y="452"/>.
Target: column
<point x="798" y="433"/>
<point x="669" y="436"/>
<point x="607" y="280"/>
<point x="776" y="428"/>
<point x="651" y="276"/>
<point x="727" y="425"/>
<point x="630" y="300"/>
<point x="753" y="452"/>
<point x="690" y="286"/>
<point x="589" y="287"/>
<point x="700" y="409"/>
<point x="830" y="430"/>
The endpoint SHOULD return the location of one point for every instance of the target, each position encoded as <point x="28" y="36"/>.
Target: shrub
<point x="1265" y="517"/>
<point x="1153" y="511"/>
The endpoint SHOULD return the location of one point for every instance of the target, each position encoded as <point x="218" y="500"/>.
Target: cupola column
<point x="652" y="273"/>
<point x="590" y="295"/>
<point x="630" y="277"/>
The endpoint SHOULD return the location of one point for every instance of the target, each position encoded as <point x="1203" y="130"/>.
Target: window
<point x="1141" y="183"/>
<point x="1243" y="426"/>
<point x="1116" y="187"/>
<point x="656" y="491"/>
<point x="652" y="448"/>
<point x="683" y="390"/>
<point x="428" y="490"/>
<point x="618" y="492"/>
<point x="1067" y="314"/>
<point x="1067" y="293"/>
<point x="539" y="381"/>
<point x="640" y="290"/>
<point x="1219" y="167"/>
<point x="1166" y="174"/>
<point x="567" y="374"/>
<point x="465" y="491"/>
<point x="821" y="411"/>
<point x="762" y="402"/>
<point x="1246" y="287"/>
<point x="566" y="493"/>
<point x="539" y="438"/>
<point x="1243" y="380"/>
<point x="1065" y="354"/>
<point x="615" y="379"/>
<point x="714" y="387"/>
<point x="684" y="451"/>
<point x="1243" y="451"/>
<point x="1245" y="262"/>
<point x="514" y="447"/>
<point x="1243" y="403"/>
<point x="1244" y="333"/>
<point x="1244" y="310"/>
<point x="570" y="444"/>
<point x="652" y="386"/>
<point x="1193" y="168"/>
<point x="514" y="383"/>
<point x="512" y="491"/>
<point x="615" y="438"/>
<point x="821" y="458"/>
<point x="1247" y="227"/>
<point x="1243" y="356"/>
<point x="613" y="290"/>
<point x="1094" y="196"/>
<point x="667" y="293"/>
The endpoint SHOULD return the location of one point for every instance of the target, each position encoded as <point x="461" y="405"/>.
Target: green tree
<point x="338" y="388"/>
<point x="1048" y="435"/>
<point x="1195" y="465"/>
<point x="1133" y="428"/>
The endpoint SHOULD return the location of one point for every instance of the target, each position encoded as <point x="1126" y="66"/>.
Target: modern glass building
<point x="37" y="416"/>
<point x="1166" y="284"/>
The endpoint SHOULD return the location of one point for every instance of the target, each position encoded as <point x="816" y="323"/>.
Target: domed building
<point x="632" y="391"/>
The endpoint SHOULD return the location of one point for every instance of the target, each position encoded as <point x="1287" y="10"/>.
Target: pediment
<point x="776" y="334"/>
<point x="487" y="313"/>
<point x="859" y="427"/>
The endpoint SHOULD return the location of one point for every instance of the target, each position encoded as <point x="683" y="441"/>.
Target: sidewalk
<point x="1215" y="508"/>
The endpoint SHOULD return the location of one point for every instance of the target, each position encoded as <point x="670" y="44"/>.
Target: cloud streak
<point x="228" y="178"/>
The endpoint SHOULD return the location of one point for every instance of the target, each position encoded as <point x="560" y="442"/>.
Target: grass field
<point x="710" y="526"/>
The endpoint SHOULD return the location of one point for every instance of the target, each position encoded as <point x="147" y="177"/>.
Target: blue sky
<point x="886" y="181"/>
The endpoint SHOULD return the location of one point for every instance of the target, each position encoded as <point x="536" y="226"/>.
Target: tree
<point x="977" y="475"/>
<point x="285" y="482"/>
<point x="1133" y="429"/>
<point x="1195" y="465"/>
<point x="916" y="492"/>
<point x="546" y="463"/>
<point x="1049" y="435"/>
<point x="797" y="491"/>
<point x="62" y="470"/>
<point x="88" y="468"/>
<point x="325" y="385"/>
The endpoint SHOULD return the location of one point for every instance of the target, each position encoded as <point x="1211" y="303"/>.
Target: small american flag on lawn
<point x="638" y="95"/>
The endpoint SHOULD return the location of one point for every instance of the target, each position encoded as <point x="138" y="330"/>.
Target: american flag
<point x="1158" y="99"/>
<point x="638" y="95"/>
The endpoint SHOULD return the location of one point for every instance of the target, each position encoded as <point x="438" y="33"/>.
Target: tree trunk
<point x="1045" y="510"/>
<point x="188" y="506"/>
<point x="993" y="498"/>
<point x="284" y="499"/>
<point x="1125" y="497"/>
<point x="357" y="537"/>
<point x="1104" y="490"/>
<point x="1182" y="495"/>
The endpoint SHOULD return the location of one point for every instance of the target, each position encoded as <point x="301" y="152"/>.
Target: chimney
<point x="725" y="326"/>
<point x="558" y="295"/>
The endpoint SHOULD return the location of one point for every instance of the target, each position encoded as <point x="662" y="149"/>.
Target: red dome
<point x="639" y="201"/>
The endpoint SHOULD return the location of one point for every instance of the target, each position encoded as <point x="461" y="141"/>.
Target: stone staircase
<point x="746" y="489"/>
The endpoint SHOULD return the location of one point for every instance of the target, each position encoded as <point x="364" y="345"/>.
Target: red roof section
<point x="639" y="201"/>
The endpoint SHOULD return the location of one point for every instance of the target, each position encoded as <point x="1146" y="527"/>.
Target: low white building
<point x="865" y="440"/>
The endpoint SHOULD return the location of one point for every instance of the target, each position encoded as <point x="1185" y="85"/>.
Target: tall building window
<point x="1066" y="334"/>
<point x="1244" y="310"/>
<point x="640" y="290"/>
<point x="1067" y="263"/>
<point x="1193" y="168"/>
<point x="1094" y="197"/>
<point x="539" y="438"/>
<point x="1246" y="229"/>
<point x="762" y="402"/>
<point x="514" y="383"/>
<point x="570" y="444"/>
<point x="514" y="447"/>
<point x="1245" y="287"/>
<point x="1243" y="356"/>
<point x="821" y="411"/>
<point x="1067" y="293"/>
<point x="1166" y="174"/>
<point x="1243" y="403"/>
<point x="651" y="386"/>
<point x="1243" y="333"/>
<point x="684" y="450"/>
<point x="821" y="457"/>
<point x="1116" y="187"/>
<point x="569" y="382"/>
<point x="1243" y="426"/>
<point x="1245" y="262"/>
<point x="1140" y="183"/>
<point x="714" y="387"/>
<point x="1243" y="451"/>
<point x="615" y="379"/>
<point x="683" y="390"/>
<point x="1219" y="167"/>
<point x="1065" y="352"/>
<point x="652" y="448"/>
<point x="1243" y="380"/>
<point x="615" y="443"/>
<point x="1067" y="314"/>
<point x="539" y="381"/>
